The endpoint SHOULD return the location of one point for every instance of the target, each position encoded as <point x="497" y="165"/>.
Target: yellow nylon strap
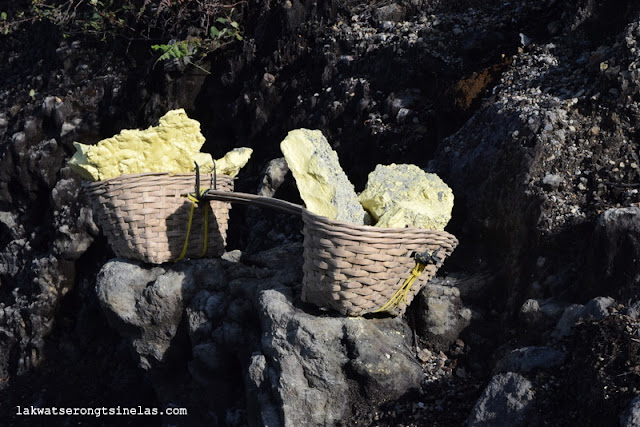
<point x="194" y="199"/>
<point x="401" y="294"/>
<point x="206" y="230"/>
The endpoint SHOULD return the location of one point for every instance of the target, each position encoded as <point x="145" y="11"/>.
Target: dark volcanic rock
<point x="505" y="402"/>
<point x="612" y="262"/>
<point x="441" y="316"/>
<point x="631" y="416"/>
<point x="532" y="169"/>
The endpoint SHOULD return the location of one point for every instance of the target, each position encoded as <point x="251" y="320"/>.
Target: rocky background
<point x="528" y="110"/>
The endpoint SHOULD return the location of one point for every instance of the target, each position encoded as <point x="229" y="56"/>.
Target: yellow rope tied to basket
<point x="195" y="199"/>
<point x="401" y="294"/>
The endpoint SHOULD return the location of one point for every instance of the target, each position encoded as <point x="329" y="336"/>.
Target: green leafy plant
<point x="223" y="32"/>
<point x="181" y="50"/>
<point x="176" y="50"/>
<point x="230" y="30"/>
<point x="4" y="25"/>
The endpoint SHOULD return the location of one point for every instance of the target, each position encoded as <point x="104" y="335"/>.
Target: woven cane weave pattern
<point x="357" y="269"/>
<point x="145" y="216"/>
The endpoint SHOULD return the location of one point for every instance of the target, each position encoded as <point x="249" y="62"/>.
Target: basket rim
<point x="372" y="229"/>
<point x="151" y="174"/>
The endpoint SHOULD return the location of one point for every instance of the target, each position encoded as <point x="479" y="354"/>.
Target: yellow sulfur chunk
<point x="172" y="147"/>
<point x="401" y="196"/>
<point x="204" y="161"/>
<point x="80" y="165"/>
<point x="233" y="161"/>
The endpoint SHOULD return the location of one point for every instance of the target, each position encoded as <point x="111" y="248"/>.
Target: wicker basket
<point x="145" y="216"/>
<point x="357" y="269"/>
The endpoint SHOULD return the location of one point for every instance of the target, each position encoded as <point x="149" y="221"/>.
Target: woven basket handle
<point x="252" y="199"/>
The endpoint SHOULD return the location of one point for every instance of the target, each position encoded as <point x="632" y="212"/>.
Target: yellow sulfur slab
<point x="322" y="183"/>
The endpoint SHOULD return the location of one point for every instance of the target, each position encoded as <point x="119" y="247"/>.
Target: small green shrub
<point x="225" y="31"/>
<point x="230" y="30"/>
<point x="183" y="49"/>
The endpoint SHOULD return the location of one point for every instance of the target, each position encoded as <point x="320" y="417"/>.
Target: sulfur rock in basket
<point x="233" y="161"/>
<point x="171" y="147"/>
<point x="360" y="269"/>
<point x="322" y="183"/>
<point x="355" y="268"/>
<point x="399" y="196"/>
<point x="141" y="179"/>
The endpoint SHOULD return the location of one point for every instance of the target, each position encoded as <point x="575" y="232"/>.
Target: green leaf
<point x="214" y="32"/>
<point x="3" y="16"/>
<point x="222" y="20"/>
<point x="235" y="25"/>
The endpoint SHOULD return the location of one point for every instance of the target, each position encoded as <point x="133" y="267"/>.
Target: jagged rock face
<point x="381" y="86"/>
<point x="323" y="364"/>
<point x="38" y="269"/>
<point x="441" y="315"/>
<point x="532" y="168"/>
<point x="145" y="305"/>
<point x="45" y="224"/>
<point x="612" y="266"/>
